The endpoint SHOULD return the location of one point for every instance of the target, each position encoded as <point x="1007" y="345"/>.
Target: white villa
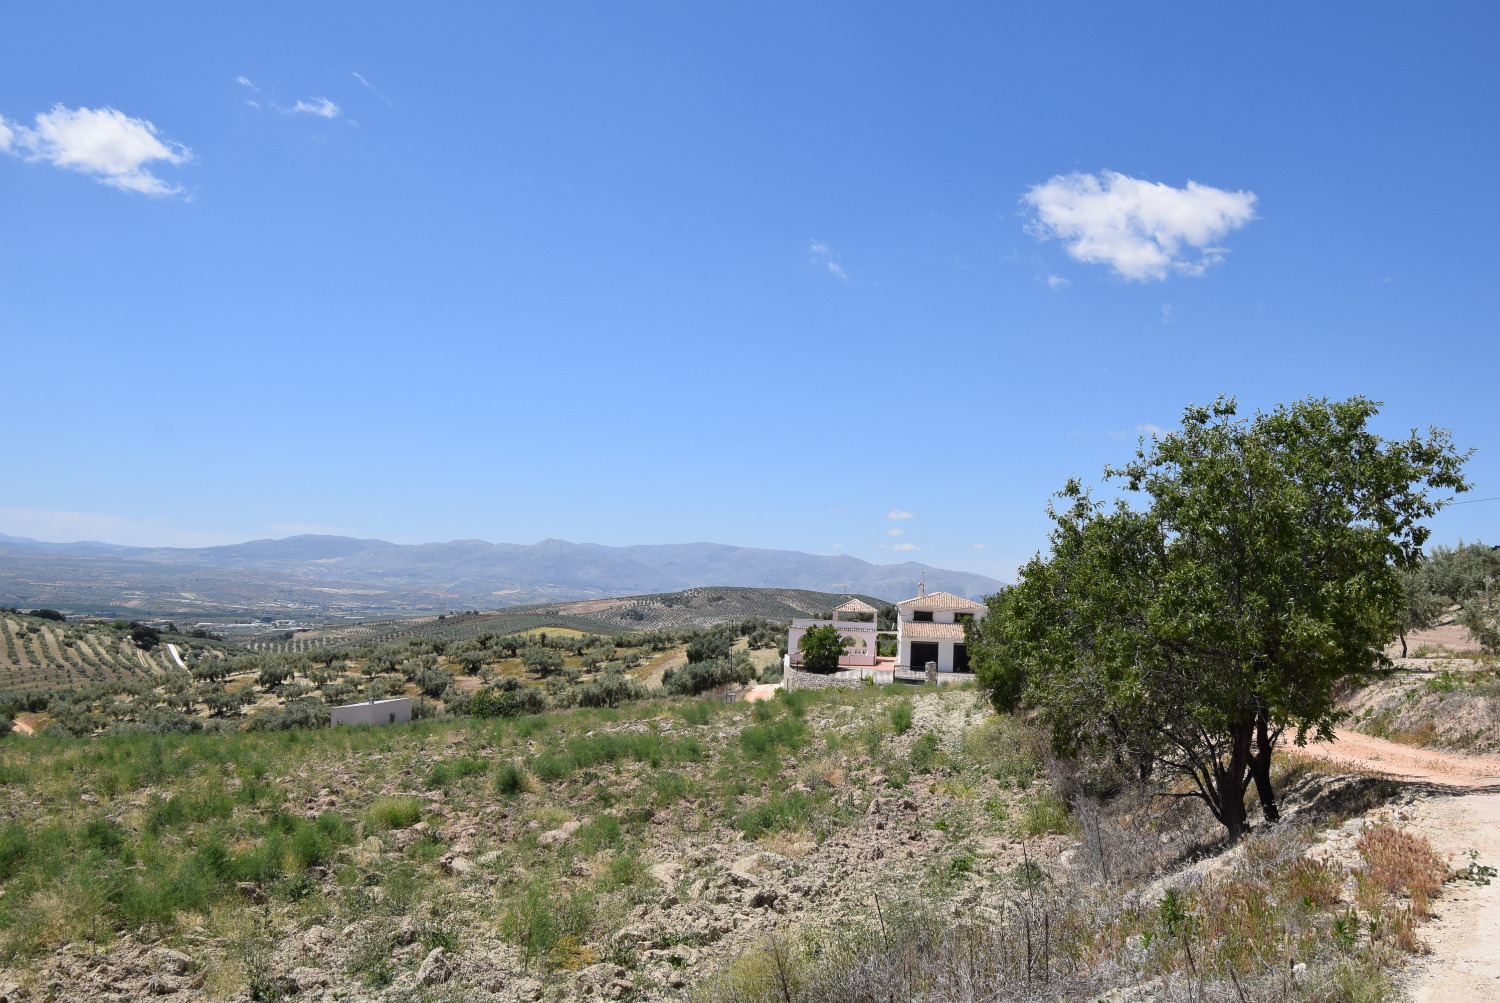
<point x="930" y="628"/>
<point x="861" y="652"/>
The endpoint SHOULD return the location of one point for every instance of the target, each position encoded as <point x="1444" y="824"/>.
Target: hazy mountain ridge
<point x="336" y="573"/>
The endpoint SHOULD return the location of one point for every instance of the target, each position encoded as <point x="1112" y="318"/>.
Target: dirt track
<point x="1459" y="813"/>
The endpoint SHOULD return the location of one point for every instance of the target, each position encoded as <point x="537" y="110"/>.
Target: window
<point x="922" y="616"/>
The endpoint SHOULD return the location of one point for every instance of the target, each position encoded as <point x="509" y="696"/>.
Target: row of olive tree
<point x="1262" y="574"/>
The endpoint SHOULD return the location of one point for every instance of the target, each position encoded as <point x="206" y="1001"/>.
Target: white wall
<point x="397" y="711"/>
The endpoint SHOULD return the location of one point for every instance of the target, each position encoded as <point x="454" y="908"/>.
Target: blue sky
<point x="763" y="275"/>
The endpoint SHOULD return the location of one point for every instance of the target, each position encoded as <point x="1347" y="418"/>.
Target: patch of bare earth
<point x="1455" y="803"/>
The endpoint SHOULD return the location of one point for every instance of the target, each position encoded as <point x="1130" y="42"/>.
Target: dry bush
<point x="1401" y="863"/>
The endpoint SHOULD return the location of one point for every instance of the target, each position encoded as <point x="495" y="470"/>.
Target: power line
<point x="1474" y="501"/>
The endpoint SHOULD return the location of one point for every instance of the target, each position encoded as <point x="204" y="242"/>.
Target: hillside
<point x="44" y="654"/>
<point x="665" y="850"/>
<point x="329" y="575"/>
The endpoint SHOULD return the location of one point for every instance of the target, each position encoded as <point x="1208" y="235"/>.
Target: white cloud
<point x="1144" y="429"/>
<point x="373" y="90"/>
<point x="896" y="513"/>
<point x="906" y="546"/>
<point x="1166" y="313"/>
<point x="244" y="80"/>
<point x="822" y="256"/>
<point x="108" y="145"/>
<point x="322" y="107"/>
<point x="978" y="546"/>
<point x="894" y="532"/>
<point x="1056" y="282"/>
<point x="1142" y="229"/>
<point x="837" y="546"/>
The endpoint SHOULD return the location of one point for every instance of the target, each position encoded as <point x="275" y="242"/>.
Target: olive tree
<point x="822" y="647"/>
<point x="1262" y="574"/>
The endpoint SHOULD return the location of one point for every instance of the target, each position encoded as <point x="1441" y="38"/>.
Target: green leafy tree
<point x="713" y="645"/>
<point x="542" y="660"/>
<point x="821" y="648"/>
<point x="1420" y="605"/>
<point x="1263" y="575"/>
<point x="1481" y="615"/>
<point x="145" y="637"/>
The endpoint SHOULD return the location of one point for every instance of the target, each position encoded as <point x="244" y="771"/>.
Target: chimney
<point x="922" y="587"/>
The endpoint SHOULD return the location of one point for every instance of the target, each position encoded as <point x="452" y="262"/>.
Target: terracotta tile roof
<point x="855" y="606"/>
<point x="940" y="600"/>
<point x="933" y="631"/>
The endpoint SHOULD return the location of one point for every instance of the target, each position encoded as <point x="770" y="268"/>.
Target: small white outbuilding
<point x="372" y="712"/>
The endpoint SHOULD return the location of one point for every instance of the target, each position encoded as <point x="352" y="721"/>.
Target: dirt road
<point x="1459" y="813"/>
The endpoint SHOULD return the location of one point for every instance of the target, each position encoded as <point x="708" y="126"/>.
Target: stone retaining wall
<point x="796" y="679"/>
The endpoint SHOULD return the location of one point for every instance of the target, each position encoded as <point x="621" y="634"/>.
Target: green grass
<point x="386" y="813"/>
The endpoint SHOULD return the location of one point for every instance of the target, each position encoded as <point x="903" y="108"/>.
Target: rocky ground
<point x="677" y="866"/>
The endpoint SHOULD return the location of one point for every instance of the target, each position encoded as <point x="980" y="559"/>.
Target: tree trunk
<point x="1403" y="641"/>
<point x="1231" y="781"/>
<point x="1260" y="768"/>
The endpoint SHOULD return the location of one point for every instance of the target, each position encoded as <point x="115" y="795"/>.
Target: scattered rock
<point x="437" y="967"/>
<point x="316" y="937"/>
<point x="559" y="834"/>
<point x="251" y="891"/>
<point x="172" y="961"/>
<point x="310" y="978"/>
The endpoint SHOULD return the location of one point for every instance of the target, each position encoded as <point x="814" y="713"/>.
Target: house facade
<point x="930" y="628"/>
<point x="861" y="634"/>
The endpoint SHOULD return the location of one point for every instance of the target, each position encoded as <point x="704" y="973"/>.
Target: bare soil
<point x="1455" y="804"/>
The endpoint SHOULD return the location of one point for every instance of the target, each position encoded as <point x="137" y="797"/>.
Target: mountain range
<point x="331" y="575"/>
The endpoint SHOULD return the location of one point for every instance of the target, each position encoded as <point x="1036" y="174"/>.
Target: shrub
<point x="762" y="741"/>
<point x="700" y="677"/>
<point x="499" y="701"/>
<point x="610" y="690"/>
<point x="454" y="770"/>
<point x="386" y="813"/>
<point x="307" y="712"/>
<point x="510" y="780"/>
<point x="901" y="716"/>
<point x="1401" y="863"/>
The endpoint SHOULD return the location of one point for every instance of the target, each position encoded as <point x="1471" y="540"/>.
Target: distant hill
<point x="703" y="607"/>
<point x="330" y="575"/>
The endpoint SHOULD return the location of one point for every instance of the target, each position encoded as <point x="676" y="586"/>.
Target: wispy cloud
<point x="978" y="546"/>
<point x="105" y="144"/>
<point x="245" y="81"/>
<point x="822" y="257"/>
<point x="894" y="532"/>
<point x="837" y="546"/>
<point x="1056" y="282"/>
<point x="321" y="107"/>
<point x="1141" y="229"/>
<point x="896" y="513"/>
<point x="1140" y="430"/>
<point x="906" y="546"/>
<point x="371" y="88"/>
